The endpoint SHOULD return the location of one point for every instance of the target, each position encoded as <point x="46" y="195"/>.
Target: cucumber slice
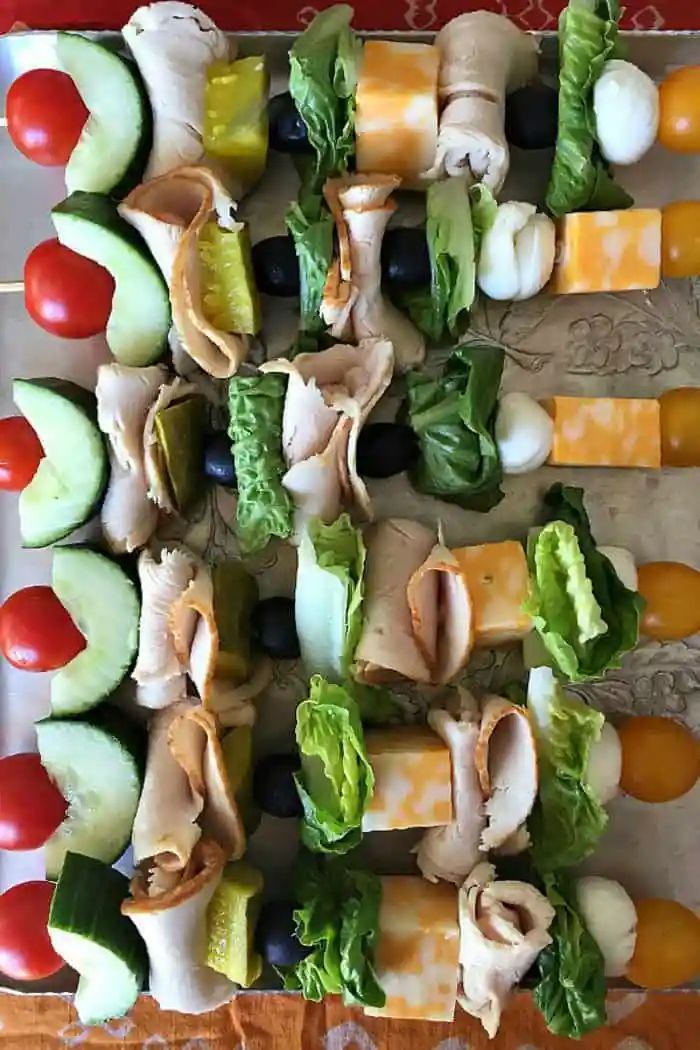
<point x="115" y="143"/>
<point x="104" y="604"/>
<point x="88" y="930"/>
<point x="70" y="482"/>
<point x="138" y="326"/>
<point x="97" y="763"/>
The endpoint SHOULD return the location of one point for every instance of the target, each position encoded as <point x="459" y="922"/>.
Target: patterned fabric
<point x="638" y="1021"/>
<point x="390" y="14"/>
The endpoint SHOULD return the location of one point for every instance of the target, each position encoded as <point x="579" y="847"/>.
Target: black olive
<point x="274" y="627"/>
<point x="218" y="460"/>
<point x="275" y="934"/>
<point x="532" y="117"/>
<point x="276" y="266"/>
<point x="288" y="133"/>
<point x="405" y="258"/>
<point x="274" y="789"/>
<point x="384" y="449"/>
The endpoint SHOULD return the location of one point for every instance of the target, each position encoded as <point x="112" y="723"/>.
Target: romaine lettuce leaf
<point x="571" y="989"/>
<point x="338" y="916"/>
<point x="264" y="508"/>
<point x="336" y="780"/>
<point x="324" y="65"/>
<point x="580" y="179"/>
<point x="568" y="819"/>
<point x="453" y="417"/>
<point x="567" y="611"/>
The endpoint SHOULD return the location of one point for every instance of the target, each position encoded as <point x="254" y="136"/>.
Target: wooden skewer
<point x="11" y="286"/>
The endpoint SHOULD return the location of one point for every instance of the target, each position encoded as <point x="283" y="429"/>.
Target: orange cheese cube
<point x="605" y="431"/>
<point x="417" y="954"/>
<point x="413" y="779"/>
<point x="497" y="578"/>
<point x="608" y="251"/>
<point x="396" y="123"/>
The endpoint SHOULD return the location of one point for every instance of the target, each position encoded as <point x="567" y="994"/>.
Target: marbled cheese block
<point x="605" y="432"/>
<point x="417" y="954"/>
<point x="497" y="578"/>
<point x="608" y="251"/>
<point x="413" y="779"/>
<point x="396" y="124"/>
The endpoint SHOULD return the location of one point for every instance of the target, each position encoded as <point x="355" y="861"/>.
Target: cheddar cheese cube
<point x="497" y="579"/>
<point x="605" y="432"/>
<point x="608" y="251"/>
<point x="417" y="955"/>
<point x="396" y="122"/>
<point x="413" y="779"/>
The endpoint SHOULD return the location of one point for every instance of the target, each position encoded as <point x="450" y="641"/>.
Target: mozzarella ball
<point x="624" y="565"/>
<point x="604" y="768"/>
<point x="611" y="917"/>
<point x="524" y="433"/>
<point x="626" y="106"/>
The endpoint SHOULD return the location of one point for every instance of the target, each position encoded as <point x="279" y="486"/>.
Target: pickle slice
<point x="229" y="295"/>
<point x="180" y="432"/>
<point x="237" y="747"/>
<point x="235" y="594"/>
<point x="231" y="917"/>
<point x="235" y="117"/>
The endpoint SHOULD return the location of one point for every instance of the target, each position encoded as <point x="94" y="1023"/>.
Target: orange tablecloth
<point x="639" y="1021"/>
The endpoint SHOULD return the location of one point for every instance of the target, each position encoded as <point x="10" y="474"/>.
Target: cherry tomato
<point x="680" y="239"/>
<point x="680" y="434"/>
<point x="679" y="110"/>
<point x="20" y="453"/>
<point x="26" y="952"/>
<point x="45" y="116"/>
<point x="31" y="806"/>
<point x="36" y="632"/>
<point x="667" y="952"/>
<point x="671" y="591"/>
<point x="65" y="293"/>
<point x="660" y="758"/>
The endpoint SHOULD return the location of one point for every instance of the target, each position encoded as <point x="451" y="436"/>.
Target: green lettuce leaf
<point x="571" y="989"/>
<point x="264" y="508"/>
<point x="566" y="620"/>
<point x="453" y="417"/>
<point x="336" y="780"/>
<point x="330" y="576"/>
<point x="324" y="66"/>
<point x="457" y="217"/>
<point x="338" y="916"/>
<point x="580" y="179"/>
<point x="568" y="819"/>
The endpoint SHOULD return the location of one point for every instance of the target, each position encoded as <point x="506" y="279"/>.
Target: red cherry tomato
<point x="36" y="632"/>
<point x="26" y="952"/>
<point x="31" y="806"/>
<point x="65" y="293"/>
<point x="20" y="453"/>
<point x="45" y="116"/>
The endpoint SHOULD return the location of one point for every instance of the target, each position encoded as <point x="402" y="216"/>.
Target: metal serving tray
<point x="634" y="345"/>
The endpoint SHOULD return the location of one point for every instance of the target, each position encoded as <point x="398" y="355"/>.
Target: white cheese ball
<point x="624" y="565"/>
<point x="611" y="917"/>
<point x="604" y="767"/>
<point x="626" y="105"/>
<point x="524" y="433"/>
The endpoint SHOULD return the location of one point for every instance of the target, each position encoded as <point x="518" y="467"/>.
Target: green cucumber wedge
<point x="104" y="604"/>
<point x="88" y="930"/>
<point x="69" y="484"/>
<point x="114" y="146"/>
<point x="138" y="326"/>
<point x="97" y="763"/>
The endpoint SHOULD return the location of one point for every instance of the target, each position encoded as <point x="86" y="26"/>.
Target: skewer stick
<point x="11" y="286"/>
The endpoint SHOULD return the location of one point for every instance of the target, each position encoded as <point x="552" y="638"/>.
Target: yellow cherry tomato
<point x="679" y="110"/>
<point x="680" y="239"/>
<point x="660" y="758"/>
<point x="680" y="433"/>
<point x="671" y="591"/>
<point x="667" y="952"/>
